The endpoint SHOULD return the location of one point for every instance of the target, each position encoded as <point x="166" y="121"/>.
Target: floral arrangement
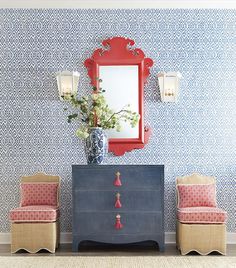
<point x="93" y="111"/>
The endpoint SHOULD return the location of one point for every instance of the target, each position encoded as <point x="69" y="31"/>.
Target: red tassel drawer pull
<point x="118" y="203"/>
<point x="117" y="181"/>
<point x="118" y="224"/>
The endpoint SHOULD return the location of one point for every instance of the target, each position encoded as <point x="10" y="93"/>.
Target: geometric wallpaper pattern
<point x="196" y="134"/>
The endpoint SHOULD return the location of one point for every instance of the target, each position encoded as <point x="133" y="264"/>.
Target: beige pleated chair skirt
<point x="203" y="238"/>
<point x="35" y="236"/>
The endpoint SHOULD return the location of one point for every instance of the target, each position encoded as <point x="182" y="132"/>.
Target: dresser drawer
<point x="103" y="177"/>
<point x="147" y="200"/>
<point x="104" y="223"/>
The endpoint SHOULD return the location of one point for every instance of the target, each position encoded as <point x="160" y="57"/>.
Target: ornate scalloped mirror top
<point x="124" y="71"/>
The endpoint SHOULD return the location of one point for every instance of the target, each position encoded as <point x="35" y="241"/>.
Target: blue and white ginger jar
<point x="96" y="145"/>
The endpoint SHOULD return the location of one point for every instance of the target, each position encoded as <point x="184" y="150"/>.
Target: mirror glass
<point x="121" y="85"/>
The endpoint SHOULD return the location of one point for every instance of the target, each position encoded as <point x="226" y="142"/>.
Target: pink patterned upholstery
<point x="35" y="214"/>
<point x="201" y="215"/>
<point x="39" y="194"/>
<point x="196" y="195"/>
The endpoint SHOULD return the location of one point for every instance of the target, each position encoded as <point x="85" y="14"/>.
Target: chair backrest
<point x="196" y="189"/>
<point x="40" y="186"/>
<point x="40" y="177"/>
<point x="195" y="178"/>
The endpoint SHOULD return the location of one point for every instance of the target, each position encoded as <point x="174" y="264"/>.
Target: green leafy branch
<point x="93" y="111"/>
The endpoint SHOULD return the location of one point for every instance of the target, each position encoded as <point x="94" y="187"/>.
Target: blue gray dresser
<point x="98" y="217"/>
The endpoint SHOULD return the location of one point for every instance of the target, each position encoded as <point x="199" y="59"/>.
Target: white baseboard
<point x="66" y="238"/>
<point x="5" y="238"/>
<point x="231" y="238"/>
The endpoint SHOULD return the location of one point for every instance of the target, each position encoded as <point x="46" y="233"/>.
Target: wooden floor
<point x="111" y="250"/>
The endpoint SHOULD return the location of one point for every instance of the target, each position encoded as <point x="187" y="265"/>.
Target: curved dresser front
<point x="118" y="204"/>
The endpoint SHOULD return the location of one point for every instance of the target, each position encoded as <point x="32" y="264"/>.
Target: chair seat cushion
<point x="35" y="214"/>
<point x="201" y="215"/>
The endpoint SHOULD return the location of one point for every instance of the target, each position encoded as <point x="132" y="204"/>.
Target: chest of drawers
<point x="118" y="204"/>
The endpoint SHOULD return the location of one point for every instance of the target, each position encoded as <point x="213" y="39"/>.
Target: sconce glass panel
<point x="67" y="83"/>
<point x="169" y="86"/>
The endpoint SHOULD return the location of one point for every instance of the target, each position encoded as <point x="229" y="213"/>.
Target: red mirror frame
<point x="119" y="51"/>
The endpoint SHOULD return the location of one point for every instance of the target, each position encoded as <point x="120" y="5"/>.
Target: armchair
<point x="35" y="223"/>
<point x="200" y="223"/>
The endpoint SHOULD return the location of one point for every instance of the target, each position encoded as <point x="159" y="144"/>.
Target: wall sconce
<point x="67" y="83"/>
<point x="169" y="86"/>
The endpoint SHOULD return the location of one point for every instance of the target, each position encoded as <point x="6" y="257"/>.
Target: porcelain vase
<point x="96" y="145"/>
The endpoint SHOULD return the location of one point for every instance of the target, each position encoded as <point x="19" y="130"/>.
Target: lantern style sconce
<point x="169" y="86"/>
<point x="67" y="83"/>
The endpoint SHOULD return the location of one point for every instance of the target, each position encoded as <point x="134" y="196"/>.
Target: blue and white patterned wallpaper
<point x="196" y="134"/>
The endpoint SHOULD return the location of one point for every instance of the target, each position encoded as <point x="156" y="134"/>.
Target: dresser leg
<point x="75" y="245"/>
<point x="161" y="244"/>
<point x="161" y="247"/>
